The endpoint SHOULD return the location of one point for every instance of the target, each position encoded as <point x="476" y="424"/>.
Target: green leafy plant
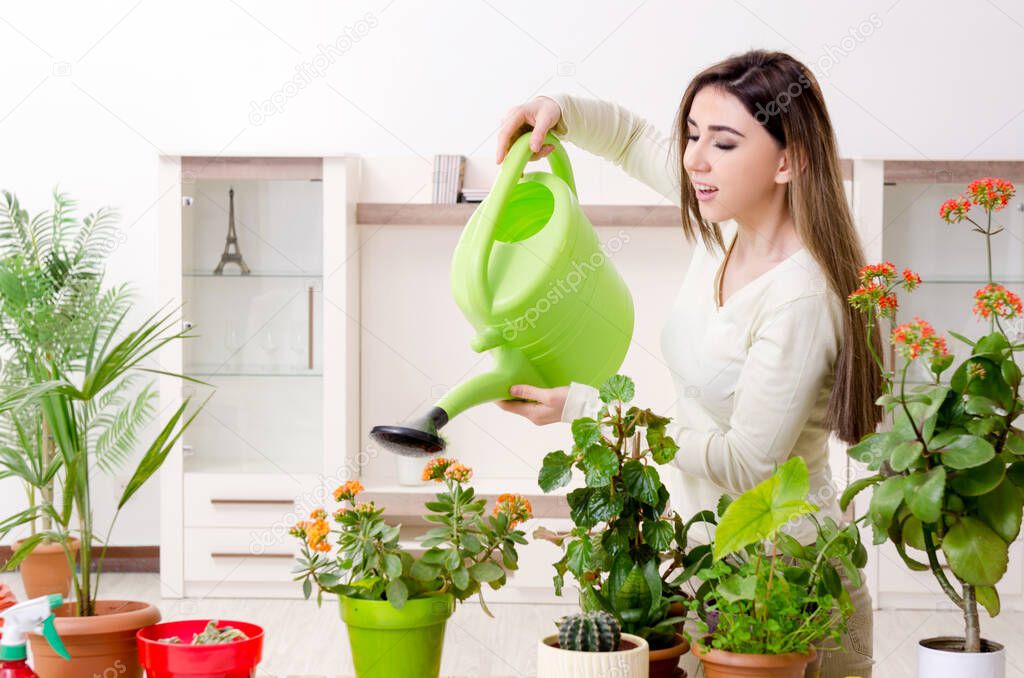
<point x="948" y="478"/>
<point x="51" y="298"/>
<point x="467" y="550"/>
<point x="766" y="593"/>
<point x="80" y="390"/>
<point x="622" y="533"/>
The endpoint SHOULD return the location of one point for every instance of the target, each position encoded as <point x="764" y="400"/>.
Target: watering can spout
<point x="419" y="436"/>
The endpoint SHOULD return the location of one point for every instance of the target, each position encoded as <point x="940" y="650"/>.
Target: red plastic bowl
<point x="237" y="659"/>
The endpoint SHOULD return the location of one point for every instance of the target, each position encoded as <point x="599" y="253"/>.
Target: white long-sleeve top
<point x="752" y="376"/>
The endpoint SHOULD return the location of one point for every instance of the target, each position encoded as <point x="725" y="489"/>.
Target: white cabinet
<point x="272" y="343"/>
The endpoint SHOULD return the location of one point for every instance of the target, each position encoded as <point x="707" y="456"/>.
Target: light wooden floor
<point x="303" y="640"/>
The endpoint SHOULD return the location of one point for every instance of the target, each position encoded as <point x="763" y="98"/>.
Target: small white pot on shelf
<point x="630" y="661"/>
<point x="410" y="469"/>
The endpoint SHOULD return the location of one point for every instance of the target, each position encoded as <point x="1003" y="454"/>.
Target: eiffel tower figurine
<point x="229" y="257"/>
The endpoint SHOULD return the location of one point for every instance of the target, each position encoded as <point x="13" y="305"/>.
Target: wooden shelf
<point x="428" y="214"/>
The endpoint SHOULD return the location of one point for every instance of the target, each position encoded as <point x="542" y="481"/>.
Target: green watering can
<point x="545" y="300"/>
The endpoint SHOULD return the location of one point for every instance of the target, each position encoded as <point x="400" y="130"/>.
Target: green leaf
<point x="874" y="448"/>
<point x="485" y="571"/>
<point x="589" y="506"/>
<point x="392" y="565"/>
<point x="966" y="451"/>
<point x="856" y="487"/>
<point x="1011" y="373"/>
<point x="578" y="556"/>
<point x="556" y="471"/>
<point x="618" y="387"/>
<point x="905" y="454"/>
<point x="657" y="533"/>
<point x="975" y="553"/>
<point x="663" y="447"/>
<point x="585" y="432"/>
<point x="1000" y="509"/>
<point x="760" y="511"/>
<point x="641" y="481"/>
<point x="988" y="597"/>
<point x="737" y="587"/>
<point x="980" y="405"/>
<point x="978" y="480"/>
<point x="397" y="593"/>
<point x="424" y="571"/>
<point x="923" y="493"/>
<point x="885" y="500"/>
<point x="599" y="465"/>
<point x="460" y="577"/>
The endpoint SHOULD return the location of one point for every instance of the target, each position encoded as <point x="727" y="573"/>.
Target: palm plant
<point x="67" y="397"/>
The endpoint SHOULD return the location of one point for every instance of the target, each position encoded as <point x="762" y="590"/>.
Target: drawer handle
<point x="252" y="555"/>
<point x="275" y="502"/>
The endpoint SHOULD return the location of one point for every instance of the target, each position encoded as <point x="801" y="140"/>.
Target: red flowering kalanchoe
<point x="878" y="285"/>
<point x="998" y="301"/>
<point x="955" y="210"/>
<point x="990" y="192"/>
<point x="918" y="338"/>
<point x="515" y="506"/>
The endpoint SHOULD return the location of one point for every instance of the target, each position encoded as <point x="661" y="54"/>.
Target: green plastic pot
<point x="387" y="642"/>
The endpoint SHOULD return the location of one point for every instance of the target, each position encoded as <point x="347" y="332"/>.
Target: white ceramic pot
<point x="410" y="469"/>
<point x="554" y="662"/>
<point x="942" y="658"/>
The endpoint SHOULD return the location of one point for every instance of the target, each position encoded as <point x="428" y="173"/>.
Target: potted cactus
<point x="592" y="645"/>
<point x="396" y="605"/>
<point x="625" y="544"/>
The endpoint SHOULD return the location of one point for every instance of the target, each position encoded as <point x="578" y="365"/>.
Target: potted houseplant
<point x="200" y="648"/>
<point x="388" y="597"/>
<point x="947" y="478"/>
<point x="592" y="645"/>
<point x="95" y="422"/>
<point x="51" y="268"/>
<point x="769" y="599"/>
<point x="622" y="532"/>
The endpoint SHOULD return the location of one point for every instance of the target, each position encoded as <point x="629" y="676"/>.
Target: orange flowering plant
<point x="354" y="552"/>
<point x="949" y="476"/>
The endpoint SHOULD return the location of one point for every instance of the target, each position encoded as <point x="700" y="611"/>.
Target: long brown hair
<point x="783" y="95"/>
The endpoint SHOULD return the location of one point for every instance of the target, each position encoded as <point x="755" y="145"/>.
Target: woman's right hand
<point x="539" y="114"/>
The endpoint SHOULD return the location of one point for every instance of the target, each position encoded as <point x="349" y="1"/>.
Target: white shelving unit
<point x="284" y="416"/>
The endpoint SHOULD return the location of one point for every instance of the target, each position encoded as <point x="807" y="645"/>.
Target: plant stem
<point x="972" y="637"/>
<point x="936" y="568"/>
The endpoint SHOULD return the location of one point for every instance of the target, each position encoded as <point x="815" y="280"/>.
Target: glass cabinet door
<point x="258" y="333"/>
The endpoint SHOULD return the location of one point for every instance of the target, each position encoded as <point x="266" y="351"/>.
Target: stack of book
<point x="474" y="194"/>
<point x="449" y="171"/>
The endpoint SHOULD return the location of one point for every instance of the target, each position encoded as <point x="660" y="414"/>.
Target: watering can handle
<point x="511" y="170"/>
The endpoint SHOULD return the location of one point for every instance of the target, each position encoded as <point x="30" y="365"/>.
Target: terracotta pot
<point x="665" y="662"/>
<point x="103" y="645"/>
<point x="46" y="570"/>
<point x="722" y="664"/>
<point x="677" y="610"/>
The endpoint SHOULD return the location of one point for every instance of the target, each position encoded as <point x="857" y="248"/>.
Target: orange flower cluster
<point x="990" y="192"/>
<point x="876" y="288"/>
<point x="458" y="472"/>
<point x="954" y="210"/>
<point x="435" y="468"/>
<point x="996" y="300"/>
<point x="348" y="490"/>
<point x="515" y="506"/>
<point x="918" y="338"/>
<point x="314" y="531"/>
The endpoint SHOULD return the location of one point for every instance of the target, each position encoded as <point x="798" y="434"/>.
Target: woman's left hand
<point x="546" y="406"/>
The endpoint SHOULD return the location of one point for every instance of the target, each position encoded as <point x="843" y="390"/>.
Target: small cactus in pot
<point x="592" y="645"/>
<point x="589" y="632"/>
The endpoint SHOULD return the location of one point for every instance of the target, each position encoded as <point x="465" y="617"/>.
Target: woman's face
<point x="732" y="152"/>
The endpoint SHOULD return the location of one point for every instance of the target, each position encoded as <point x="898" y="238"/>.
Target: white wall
<point x="93" y="92"/>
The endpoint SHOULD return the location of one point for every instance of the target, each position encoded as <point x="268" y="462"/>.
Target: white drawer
<point x="238" y="555"/>
<point x="250" y="499"/>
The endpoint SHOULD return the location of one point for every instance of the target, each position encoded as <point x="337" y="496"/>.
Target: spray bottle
<point x="18" y="621"/>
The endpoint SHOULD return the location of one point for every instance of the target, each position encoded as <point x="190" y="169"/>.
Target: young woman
<point x="766" y="356"/>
